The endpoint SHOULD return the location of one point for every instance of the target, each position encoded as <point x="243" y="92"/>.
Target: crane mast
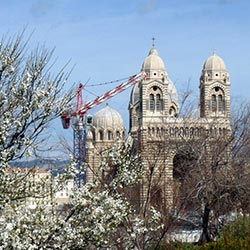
<point x="79" y="138"/>
<point x="80" y="120"/>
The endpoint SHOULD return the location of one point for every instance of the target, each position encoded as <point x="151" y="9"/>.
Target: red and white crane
<point x="80" y="122"/>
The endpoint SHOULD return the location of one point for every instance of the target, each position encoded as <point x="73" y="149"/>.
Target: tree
<point x="100" y="214"/>
<point x="210" y="172"/>
<point x="31" y="96"/>
<point x="98" y="217"/>
<point x="213" y="174"/>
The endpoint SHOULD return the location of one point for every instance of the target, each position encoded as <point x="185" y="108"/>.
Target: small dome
<point x="153" y="61"/>
<point x="214" y="62"/>
<point x="108" y="118"/>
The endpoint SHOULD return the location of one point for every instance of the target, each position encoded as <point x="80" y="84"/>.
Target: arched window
<point x="214" y="103"/>
<point x="153" y="131"/>
<point x="217" y="100"/>
<point x="171" y="131"/>
<point x="110" y="135"/>
<point x="172" y="111"/>
<point x="118" y="135"/>
<point x="155" y="99"/>
<point x="221" y="103"/>
<point x="158" y="131"/>
<point x="93" y="134"/>
<point x="101" y="135"/>
<point x="162" y="131"/>
<point x="176" y="132"/>
<point x="151" y="102"/>
<point x="149" y="131"/>
<point x="220" y="131"/>
<point x="158" y="102"/>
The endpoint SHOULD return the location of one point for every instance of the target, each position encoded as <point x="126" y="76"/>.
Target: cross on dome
<point x="153" y="42"/>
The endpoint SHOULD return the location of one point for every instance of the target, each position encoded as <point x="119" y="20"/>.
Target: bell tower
<point x="153" y="105"/>
<point x="214" y="89"/>
<point x="153" y="99"/>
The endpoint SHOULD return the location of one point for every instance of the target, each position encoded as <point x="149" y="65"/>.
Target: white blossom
<point x="97" y="215"/>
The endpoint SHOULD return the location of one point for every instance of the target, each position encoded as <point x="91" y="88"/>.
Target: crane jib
<point x="133" y="80"/>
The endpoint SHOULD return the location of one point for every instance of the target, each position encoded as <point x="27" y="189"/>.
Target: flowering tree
<point x="98" y="217"/>
<point x="30" y="97"/>
<point x="99" y="214"/>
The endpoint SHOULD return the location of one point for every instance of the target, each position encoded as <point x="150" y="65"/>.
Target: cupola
<point x="107" y="125"/>
<point x="153" y="65"/>
<point x="214" y="63"/>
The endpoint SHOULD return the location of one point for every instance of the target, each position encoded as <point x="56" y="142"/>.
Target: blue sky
<point x="109" y="39"/>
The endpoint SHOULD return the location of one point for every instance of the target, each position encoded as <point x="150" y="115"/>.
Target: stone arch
<point x="191" y="132"/>
<point x="162" y="131"/>
<point x="149" y="131"/>
<point x="118" y="134"/>
<point x="172" y="131"/>
<point x="100" y="135"/>
<point x="184" y="160"/>
<point x="197" y="132"/>
<point x="217" y="99"/>
<point x="156" y="195"/>
<point x="110" y="135"/>
<point x="176" y="132"/>
<point x="186" y="132"/>
<point x="153" y="131"/>
<point x="155" y="98"/>
<point x="173" y="110"/>
<point x="157" y="131"/>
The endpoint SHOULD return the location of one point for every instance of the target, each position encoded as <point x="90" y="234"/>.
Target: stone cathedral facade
<point x="157" y="130"/>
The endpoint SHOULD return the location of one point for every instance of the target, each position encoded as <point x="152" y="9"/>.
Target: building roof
<point x="108" y="119"/>
<point x="153" y="61"/>
<point x="11" y="170"/>
<point x="214" y="63"/>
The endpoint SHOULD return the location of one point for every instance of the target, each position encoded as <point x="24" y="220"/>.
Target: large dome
<point x="108" y="118"/>
<point x="214" y="63"/>
<point x="153" y="61"/>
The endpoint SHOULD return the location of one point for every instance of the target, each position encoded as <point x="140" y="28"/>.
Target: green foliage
<point x="237" y="234"/>
<point x="240" y="229"/>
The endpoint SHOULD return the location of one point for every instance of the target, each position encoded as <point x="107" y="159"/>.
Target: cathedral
<point x="158" y="131"/>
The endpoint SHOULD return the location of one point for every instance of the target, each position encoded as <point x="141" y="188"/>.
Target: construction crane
<point x="80" y="120"/>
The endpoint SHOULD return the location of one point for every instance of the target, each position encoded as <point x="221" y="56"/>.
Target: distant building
<point x="35" y="185"/>
<point x="156" y="130"/>
<point x="39" y="187"/>
<point x="63" y="195"/>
